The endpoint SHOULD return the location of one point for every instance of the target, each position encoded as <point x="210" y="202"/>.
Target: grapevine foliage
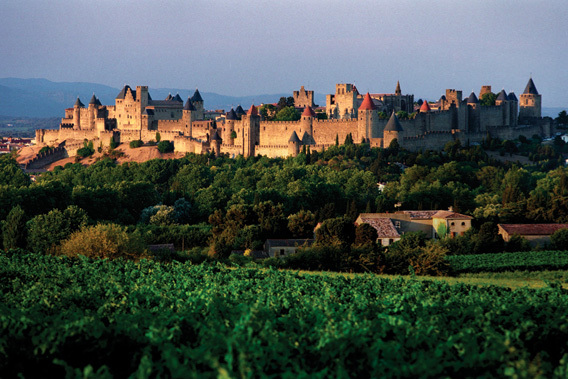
<point x="63" y="316"/>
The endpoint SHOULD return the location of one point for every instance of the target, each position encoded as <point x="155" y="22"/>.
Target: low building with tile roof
<point x="434" y="223"/>
<point x="536" y="234"/>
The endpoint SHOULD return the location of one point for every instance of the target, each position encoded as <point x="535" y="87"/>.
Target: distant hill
<point x="44" y="98"/>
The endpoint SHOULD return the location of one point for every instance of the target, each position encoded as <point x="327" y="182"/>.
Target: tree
<point x="335" y="232"/>
<point x="268" y="111"/>
<point x="562" y="118"/>
<point x="488" y="99"/>
<point x="103" y="241"/>
<point x="365" y="235"/>
<point x="559" y="239"/>
<point x="158" y="137"/>
<point x="165" y="147"/>
<point x="46" y="231"/>
<point x="14" y="229"/>
<point x="287" y="114"/>
<point x="10" y="172"/>
<point x="302" y="224"/>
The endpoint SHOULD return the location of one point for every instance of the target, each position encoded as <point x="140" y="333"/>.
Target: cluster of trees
<point x="224" y="204"/>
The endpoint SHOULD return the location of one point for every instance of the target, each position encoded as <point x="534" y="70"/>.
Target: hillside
<point x="44" y="98"/>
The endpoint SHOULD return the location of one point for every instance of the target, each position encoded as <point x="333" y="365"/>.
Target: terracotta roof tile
<point x="367" y="103"/>
<point x="532" y="229"/>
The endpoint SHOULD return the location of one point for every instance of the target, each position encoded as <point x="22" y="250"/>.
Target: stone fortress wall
<point x="135" y="116"/>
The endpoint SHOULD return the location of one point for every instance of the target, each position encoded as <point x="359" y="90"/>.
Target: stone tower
<point x="77" y="114"/>
<point x="393" y="130"/>
<point x="306" y="123"/>
<point x="530" y="103"/>
<point x="251" y="129"/>
<point x="473" y="112"/>
<point x="294" y="145"/>
<point x="188" y="116"/>
<point x="216" y="143"/>
<point x="91" y="113"/>
<point x="197" y="102"/>
<point x="367" y="121"/>
<point x="230" y="119"/>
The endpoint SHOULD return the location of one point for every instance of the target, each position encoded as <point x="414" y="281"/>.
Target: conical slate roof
<point x="177" y="98"/>
<point x="196" y="96"/>
<point x="443" y="97"/>
<point x="393" y="125"/>
<point x="472" y="99"/>
<point x="294" y="138"/>
<point x="502" y="96"/>
<point x="93" y="100"/>
<point x="530" y="88"/>
<point x="512" y="96"/>
<point x="252" y="111"/>
<point x="98" y="102"/>
<point x="425" y="107"/>
<point x="170" y="97"/>
<point x="188" y="105"/>
<point x="309" y="112"/>
<point x="216" y="137"/>
<point x="78" y="103"/>
<point x="231" y="115"/>
<point x="240" y="111"/>
<point x="367" y="104"/>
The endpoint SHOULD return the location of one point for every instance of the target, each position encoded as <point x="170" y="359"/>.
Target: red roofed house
<point x="536" y="234"/>
<point x="436" y="224"/>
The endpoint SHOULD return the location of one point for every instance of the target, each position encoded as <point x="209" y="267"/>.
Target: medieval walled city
<point x="373" y="118"/>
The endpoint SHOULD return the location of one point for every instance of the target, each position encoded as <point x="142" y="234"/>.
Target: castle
<point x="369" y="118"/>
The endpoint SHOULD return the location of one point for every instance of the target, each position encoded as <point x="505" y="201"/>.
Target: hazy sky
<point x="255" y="47"/>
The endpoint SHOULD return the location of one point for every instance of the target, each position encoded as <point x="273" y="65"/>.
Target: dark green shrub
<point x="136" y="143"/>
<point x="165" y="147"/>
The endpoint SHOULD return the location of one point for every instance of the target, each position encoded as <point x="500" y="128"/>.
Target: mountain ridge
<point x="39" y="97"/>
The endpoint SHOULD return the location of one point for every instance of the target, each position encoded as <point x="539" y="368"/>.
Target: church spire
<point x="397" y="92"/>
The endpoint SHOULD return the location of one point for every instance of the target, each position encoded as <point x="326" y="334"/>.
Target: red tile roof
<point x="309" y="112"/>
<point x="367" y="103"/>
<point x="252" y="111"/>
<point x="425" y="107"/>
<point x="532" y="229"/>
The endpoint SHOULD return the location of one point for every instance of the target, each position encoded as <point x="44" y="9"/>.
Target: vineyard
<point x="524" y="260"/>
<point x="79" y="317"/>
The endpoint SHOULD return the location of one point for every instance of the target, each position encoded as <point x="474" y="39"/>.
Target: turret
<point x="393" y="130"/>
<point x="216" y="143"/>
<point x="425" y="107"/>
<point x="251" y="128"/>
<point x="530" y="103"/>
<point x="368" y="120"/>
<point x="188" y="116"/>
<point x="306" y="124"/>
<point x="77" y="114"/>
<point x="294" y="145"/>
<point x="91" y="112"/>
<point x="230" y="119"/>
<point x="197" y="102"/>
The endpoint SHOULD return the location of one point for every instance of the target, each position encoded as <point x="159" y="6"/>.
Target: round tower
<point x="393" y="130"/>
<point x="230" y="119"/>
<point x="197" y="102"/>
<point x="188" y="115"/>
<point x="216" y="143"/>
<point x="306" y="123"/>
<point x="294" y="145"/>
<point x="77" y="114"/>
<point x="368" y="120"/>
